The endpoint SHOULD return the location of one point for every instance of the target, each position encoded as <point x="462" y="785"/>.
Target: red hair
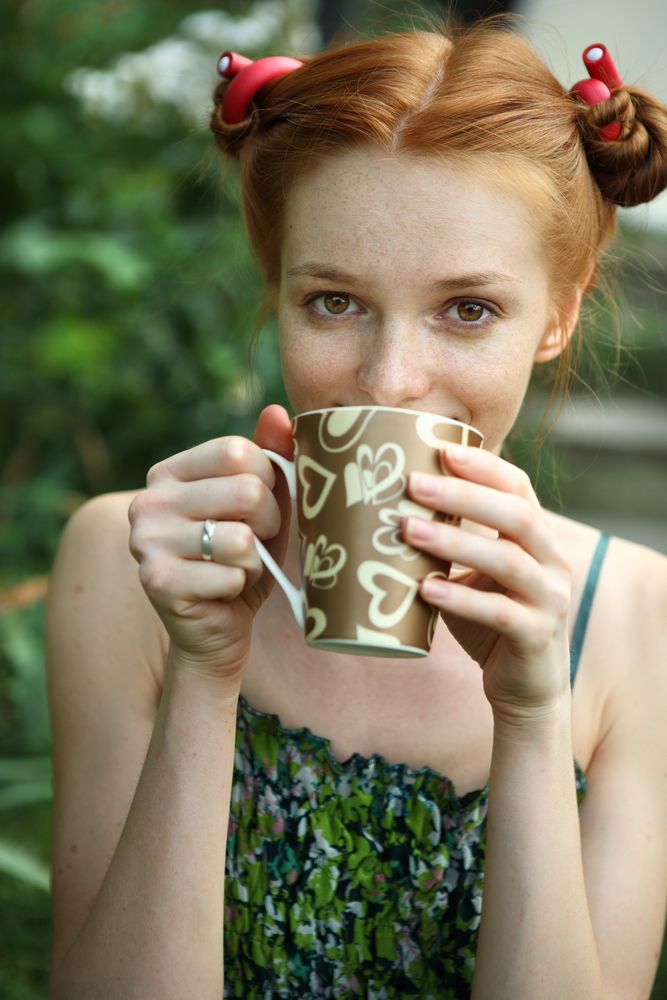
<point x="482" y="96"/>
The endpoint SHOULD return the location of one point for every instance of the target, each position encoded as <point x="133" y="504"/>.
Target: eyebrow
<point x="476" y="278"/>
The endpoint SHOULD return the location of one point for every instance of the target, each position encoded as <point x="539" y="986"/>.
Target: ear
<point x="561" y="328"/>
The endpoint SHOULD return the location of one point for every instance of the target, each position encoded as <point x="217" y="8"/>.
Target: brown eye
<point x="470" y="311"/>
<point x="336" y="303"/>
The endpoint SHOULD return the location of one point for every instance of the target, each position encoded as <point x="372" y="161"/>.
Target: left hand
<point x="510" y="611"/>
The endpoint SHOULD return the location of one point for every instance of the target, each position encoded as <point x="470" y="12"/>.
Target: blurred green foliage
<point x="128" y="295"/>
<point x="128" y="299"/>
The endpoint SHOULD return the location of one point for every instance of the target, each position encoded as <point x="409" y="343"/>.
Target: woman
<point x="428" y="214"/>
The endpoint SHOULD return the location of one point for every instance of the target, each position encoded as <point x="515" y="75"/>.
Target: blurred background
<point x="129" y="300"/>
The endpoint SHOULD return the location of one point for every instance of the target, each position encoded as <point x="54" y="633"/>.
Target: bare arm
<point x="570" y="909"/>
<point x="143" y="757"/>
<point x="576" y="908"/>
<point x="134" y="923"/>
<point x="536" y="935"/>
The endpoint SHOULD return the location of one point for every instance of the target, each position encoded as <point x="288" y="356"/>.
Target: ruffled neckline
<point x="359" y="764"/>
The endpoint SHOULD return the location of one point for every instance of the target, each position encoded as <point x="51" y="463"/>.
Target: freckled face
<point x="407" y="282"/>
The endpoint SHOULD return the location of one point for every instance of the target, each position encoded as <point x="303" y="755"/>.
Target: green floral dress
<point x="353" y="879"/>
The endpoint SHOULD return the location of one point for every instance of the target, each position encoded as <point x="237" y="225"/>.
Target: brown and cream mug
<point x="359" y="590"/>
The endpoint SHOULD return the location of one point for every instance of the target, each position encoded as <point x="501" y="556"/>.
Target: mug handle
<point x="294" y="595"/>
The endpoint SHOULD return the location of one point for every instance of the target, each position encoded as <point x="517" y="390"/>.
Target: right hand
<point x="208" y="608"/>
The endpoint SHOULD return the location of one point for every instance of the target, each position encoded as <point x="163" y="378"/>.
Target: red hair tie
<point x="247" y="78"/>
<point x="604" y="79"/>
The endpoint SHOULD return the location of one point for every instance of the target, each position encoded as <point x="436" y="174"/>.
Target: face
<point x="407" y="282"/>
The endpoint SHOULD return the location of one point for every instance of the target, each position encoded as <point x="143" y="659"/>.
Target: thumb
<point x="274" y="430"/>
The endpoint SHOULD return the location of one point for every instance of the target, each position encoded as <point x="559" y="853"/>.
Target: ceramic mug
<point x="359" y="588"/>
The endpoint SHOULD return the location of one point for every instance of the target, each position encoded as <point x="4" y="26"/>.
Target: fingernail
<point x="423" y="484"/>
<point x="434" y="588"/>
<point x="456" y="451"/>
<point x="420" y="529"/>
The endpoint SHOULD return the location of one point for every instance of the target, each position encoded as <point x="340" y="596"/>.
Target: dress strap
<point x="584" y="611"/>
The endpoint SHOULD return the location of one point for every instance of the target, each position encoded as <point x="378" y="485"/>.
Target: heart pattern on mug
<point x="340" y="429"/>
<point x="358" y="574"/>
<point x="390" y="601"/>
<point x="369" y="637"/>
<point x="319" y="623"/>
<point x="388" y="539"/>
<point x="317" y="483"/>
<point x="323" y="562"/>
<point x="376" y="477"/>
<point x="436" y="432"/>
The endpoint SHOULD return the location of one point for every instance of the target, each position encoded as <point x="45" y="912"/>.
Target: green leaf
<point x="25" y="794"/>
<point x="74" y="346"/>
<point x="23" y="866"/>
<point x="33" y="248"/>
<point x="15" y="770"/>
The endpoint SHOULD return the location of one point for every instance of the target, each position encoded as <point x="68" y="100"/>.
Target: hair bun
<point x="228" y="138"/>
<point x="633" y="168"/>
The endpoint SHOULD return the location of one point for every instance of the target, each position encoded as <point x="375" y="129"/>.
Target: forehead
<point x="378" y="211"/>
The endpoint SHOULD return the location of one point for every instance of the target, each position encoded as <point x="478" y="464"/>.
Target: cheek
<point x="493" y="389"/>
<point x="312" y="368"/>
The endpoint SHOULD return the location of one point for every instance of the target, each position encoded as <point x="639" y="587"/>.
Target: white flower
<point x="180" y="70"/>
<point x="245" y="34"/>
<point x="174" y="71"/>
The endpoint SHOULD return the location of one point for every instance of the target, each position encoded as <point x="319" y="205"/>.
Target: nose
<point x="394" y="369"/>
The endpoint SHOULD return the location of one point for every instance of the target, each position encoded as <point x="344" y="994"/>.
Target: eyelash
<point x="340" y="317"/>
<point x="328" y="317"/>
<point x="472" y="324"/>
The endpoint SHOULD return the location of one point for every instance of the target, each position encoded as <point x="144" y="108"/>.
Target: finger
<point x="233" y="498"/>
<point x="274" y="430"/>
<point x="488" y="469"/>
<point x="227" y="456"/>
<point x="491" y="609"/>
<point x="512" y="516"/>
<point x="232" y="544"/>
<point x="169" y="582"/>
<point x="502" y="560"/>
<point x="243" y="497"/>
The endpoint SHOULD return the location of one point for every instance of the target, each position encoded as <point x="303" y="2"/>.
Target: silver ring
<point x="207" y="532"/>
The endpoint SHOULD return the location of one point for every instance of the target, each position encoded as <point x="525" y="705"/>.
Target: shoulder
<point x="104" y="654"/>
<point x="632" y="601"/>
<point x="625" y="651"/>
<point x="97" y="611"/>
<point x="631" y="633"/>
<point x="102" y="522"/>
<point x="624" y="659"/>
<point x="631" y="591"/>
<point x="624" y="814"/>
